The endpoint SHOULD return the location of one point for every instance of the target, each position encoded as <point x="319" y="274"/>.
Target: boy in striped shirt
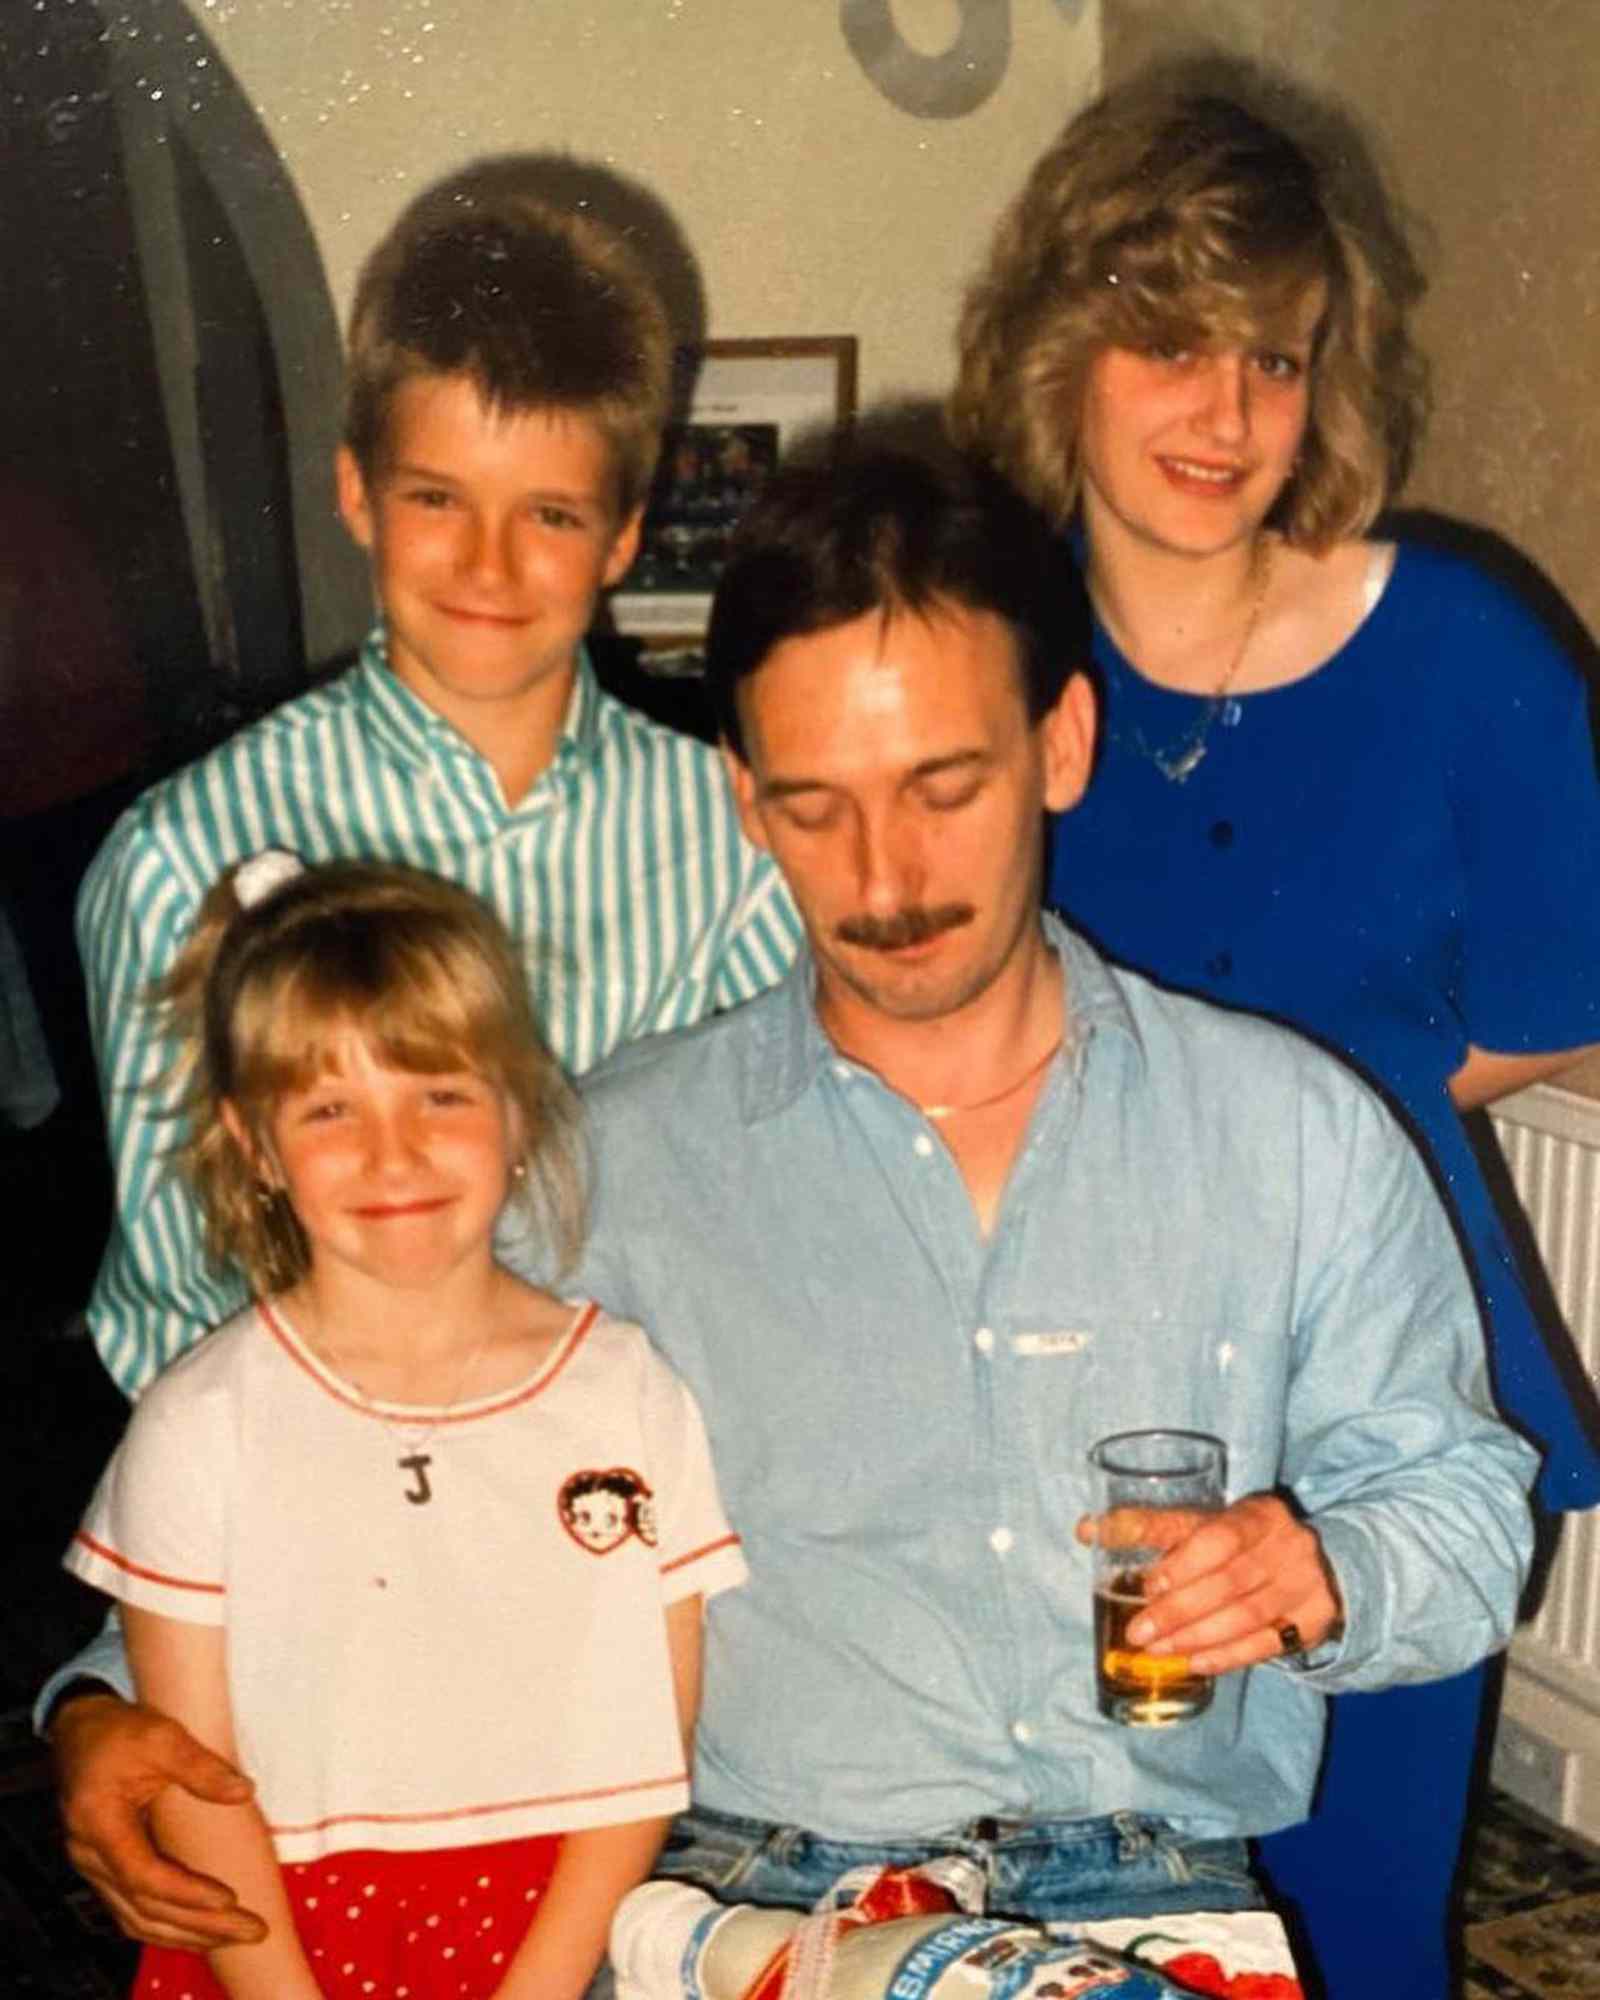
<point x="508" y="379"/>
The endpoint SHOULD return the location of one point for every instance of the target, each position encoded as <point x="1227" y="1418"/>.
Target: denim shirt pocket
<point x="1084" y="1380"/>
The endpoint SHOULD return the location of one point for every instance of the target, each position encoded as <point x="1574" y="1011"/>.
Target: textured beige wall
<point x="813" y="204"/>
<point x="1486" y="119"/>
<point x="808" y="200"/>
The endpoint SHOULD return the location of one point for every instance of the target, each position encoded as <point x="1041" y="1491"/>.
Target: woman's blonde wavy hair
<point x="261" y="1000"/>
<point x="1169" y="213"/>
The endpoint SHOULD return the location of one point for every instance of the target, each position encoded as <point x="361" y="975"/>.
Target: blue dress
<point x="1398" y="854"/>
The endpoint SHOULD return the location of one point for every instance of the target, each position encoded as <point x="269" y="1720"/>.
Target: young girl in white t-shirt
<point x="421" y="1548"/>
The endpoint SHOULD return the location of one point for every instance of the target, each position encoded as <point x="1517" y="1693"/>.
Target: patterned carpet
<point x="1533" y="1911"/>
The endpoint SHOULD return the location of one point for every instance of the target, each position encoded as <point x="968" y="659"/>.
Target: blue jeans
<point x="1048" y="1870"/>
<point x="1128" y="1865"/>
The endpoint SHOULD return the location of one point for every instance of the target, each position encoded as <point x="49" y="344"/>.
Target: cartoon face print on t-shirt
<point x="601" y="1509"/>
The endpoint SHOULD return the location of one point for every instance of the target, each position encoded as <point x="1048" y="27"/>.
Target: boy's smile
<point x="491" y="537"/>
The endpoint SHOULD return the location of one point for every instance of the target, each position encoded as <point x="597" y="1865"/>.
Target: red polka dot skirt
<point x="441" y="1925"/>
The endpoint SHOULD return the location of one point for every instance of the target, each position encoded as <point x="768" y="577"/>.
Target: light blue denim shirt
<point x="1210" y="1224"/>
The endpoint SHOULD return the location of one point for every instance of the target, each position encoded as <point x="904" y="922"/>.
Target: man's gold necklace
<point x="938" y="1112"/>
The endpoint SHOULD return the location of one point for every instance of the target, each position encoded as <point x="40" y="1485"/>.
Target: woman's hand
<point x="1484" y="1076"/>
<point x="112" y="1760"/>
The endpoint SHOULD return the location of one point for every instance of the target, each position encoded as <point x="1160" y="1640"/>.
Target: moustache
<point x="906" y="927"/>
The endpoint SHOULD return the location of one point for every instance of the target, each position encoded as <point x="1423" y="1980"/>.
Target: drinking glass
<point x="1178" y="1475"/>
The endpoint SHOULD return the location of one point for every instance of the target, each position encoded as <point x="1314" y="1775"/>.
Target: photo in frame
<point x="743" y="404"/>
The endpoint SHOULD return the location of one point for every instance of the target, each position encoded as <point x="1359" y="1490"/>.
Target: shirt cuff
<point x="104" y="1659"/>
<point x="1312" y="1659"/>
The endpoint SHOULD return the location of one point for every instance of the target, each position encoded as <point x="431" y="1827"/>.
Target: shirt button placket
<point x="1221" y="834"/>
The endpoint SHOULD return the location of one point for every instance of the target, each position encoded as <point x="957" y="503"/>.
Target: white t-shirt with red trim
<point x="487" y="1663"/>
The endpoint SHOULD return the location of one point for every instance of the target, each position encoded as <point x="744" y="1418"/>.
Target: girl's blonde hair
<point x="1170" y="213"/>
<point x="261" y="998"/>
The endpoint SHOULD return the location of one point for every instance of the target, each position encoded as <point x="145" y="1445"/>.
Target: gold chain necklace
<point x="412" y="1458"/>
<point x="1178" y="761"/>
<point x="938" y="1112"/>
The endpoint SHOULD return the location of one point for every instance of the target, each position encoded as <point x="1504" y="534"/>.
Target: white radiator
<point x="1550" y="1734"/>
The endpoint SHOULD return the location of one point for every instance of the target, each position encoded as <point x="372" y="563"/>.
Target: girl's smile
<point x="1197" y="475"/>
<point x="378" y="1212"/>
<point x="396" y="1175"/>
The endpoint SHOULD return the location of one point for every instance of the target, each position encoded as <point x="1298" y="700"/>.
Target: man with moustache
<point x="959" y="1198"/>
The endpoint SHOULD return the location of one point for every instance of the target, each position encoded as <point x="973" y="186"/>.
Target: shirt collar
<point x="418" y="734"/>
<point x="1096" y="1002"/>
<point x="790" y="1049"/>
<point x="580" y="726"/>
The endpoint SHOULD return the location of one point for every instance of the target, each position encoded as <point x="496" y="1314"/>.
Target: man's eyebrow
<point x="972" y="759"/>
<point x="788" y="788"/>
<point x="953" y="760"/>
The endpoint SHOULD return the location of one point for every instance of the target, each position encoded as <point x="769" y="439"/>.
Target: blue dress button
<point x="1219" y="965"/>
<point x="1222" y="833"/>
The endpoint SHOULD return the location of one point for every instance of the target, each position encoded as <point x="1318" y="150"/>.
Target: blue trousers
<point x="1125" y="1866"/>
<point x="1048" y="1870"/>
<point x="1372" y="1873"/>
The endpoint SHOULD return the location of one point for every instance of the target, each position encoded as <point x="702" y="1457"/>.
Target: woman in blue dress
<point x="1341" y="781"/>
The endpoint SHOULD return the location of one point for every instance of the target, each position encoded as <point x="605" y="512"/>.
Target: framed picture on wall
<point x="743" y="404"/>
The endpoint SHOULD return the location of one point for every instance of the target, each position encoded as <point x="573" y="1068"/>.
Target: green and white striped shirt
<point x="622" y="873"/>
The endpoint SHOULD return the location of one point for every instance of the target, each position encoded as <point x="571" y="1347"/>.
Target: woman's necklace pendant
<point x="1177" y="769"/>
<point x="417" y="1463"/>
<point x="1176" y="765"/>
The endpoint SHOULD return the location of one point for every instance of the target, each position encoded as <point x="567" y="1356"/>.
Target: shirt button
<point x="1222" y="833"/>
<point x="983" y="1340"/>
<point x="922" y="1145"/>
<point x="1002" y="1541"/>
<point x="1021" y="1732"/>
<point x="842" y="1072"/>
<point x="1219" y="965"/>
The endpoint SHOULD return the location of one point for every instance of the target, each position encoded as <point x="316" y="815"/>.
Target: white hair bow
<point x="263" y="874"/>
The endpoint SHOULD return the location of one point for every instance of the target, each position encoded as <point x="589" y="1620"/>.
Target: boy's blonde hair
<point x="1167" y="213"/>
<point x="261" y="999"/>
<point x="543" y="307"/>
